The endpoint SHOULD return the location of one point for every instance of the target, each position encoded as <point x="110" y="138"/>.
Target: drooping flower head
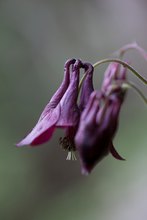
<point x="99" y="122"/>
<point x="90" y="122"/>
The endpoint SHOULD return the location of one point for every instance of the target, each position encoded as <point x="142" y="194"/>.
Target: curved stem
<point x="81" y="81"/>
<point x="124" y="64"/>
<point x="133" y="86"/>
<point x="130" y="46"/>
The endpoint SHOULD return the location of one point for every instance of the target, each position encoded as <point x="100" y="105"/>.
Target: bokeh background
<point x="36" y="38"/>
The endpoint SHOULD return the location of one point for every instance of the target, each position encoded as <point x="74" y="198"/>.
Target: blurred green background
<point x="36" y="38"/>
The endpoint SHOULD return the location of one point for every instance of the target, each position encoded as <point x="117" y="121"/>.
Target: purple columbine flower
<point x="99" y="122"/>
<point x="61" y="111"/>
<point x="89" y="126"/>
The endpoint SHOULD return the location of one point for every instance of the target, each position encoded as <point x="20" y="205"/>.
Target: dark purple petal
<point x="60" y="91"/>
<point x="90" y="140"/>
<point x="98" y="125"/>
<point x="43" y="130"/>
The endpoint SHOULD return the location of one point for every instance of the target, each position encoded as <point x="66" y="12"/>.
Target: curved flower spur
<point x="87" y="86"/>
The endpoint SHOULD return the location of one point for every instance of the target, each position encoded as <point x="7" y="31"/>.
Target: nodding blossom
<point x="99" y="120"/>
<point x="98" y="125"/>
<point x="89" y="125"/>
<point x="88" y="117"/>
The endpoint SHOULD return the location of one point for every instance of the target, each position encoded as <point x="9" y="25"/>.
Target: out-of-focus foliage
<point x="36" y="38"/>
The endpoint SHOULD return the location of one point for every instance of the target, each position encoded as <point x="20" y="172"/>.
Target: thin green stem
<point x="81" y="82"/>
<point x="138" y="91"/>
<point x="122" y="63"/>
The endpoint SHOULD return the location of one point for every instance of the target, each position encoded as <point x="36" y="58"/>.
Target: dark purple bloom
<point x="89" y="126"/>
<point x="61" y="111"/>
<point x="99" y="121"/>
<point x="97" y="128"/>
